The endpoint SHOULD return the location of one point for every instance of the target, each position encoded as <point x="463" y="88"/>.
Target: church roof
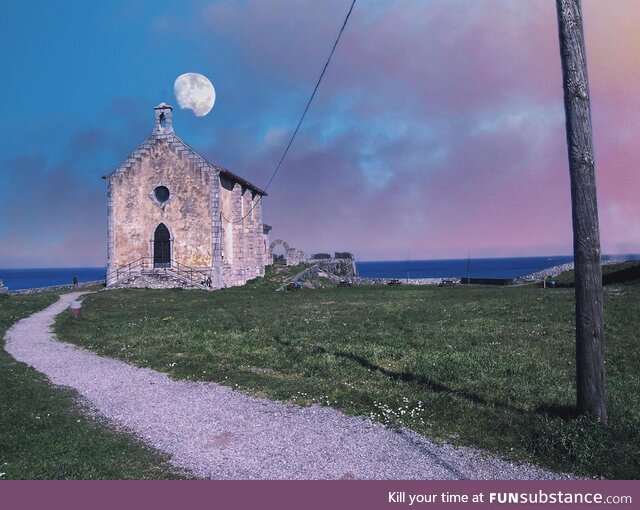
<point x="180" y="146"/>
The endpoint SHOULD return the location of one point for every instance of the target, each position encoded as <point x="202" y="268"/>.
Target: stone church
<point x="176" y="220"/>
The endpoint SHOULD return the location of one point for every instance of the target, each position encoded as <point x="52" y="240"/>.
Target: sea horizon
<point x="607" y="256"/>
<point x="487" y="267"/>
<point x="482" y="267"/>
<point x="40" y="277"/>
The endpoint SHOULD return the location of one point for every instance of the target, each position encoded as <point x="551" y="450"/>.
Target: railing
<point x="126" y="270"/>
<point x="192" y="275"/>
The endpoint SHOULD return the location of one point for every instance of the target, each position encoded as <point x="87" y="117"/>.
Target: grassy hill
<point x="623" y="272"/>
<point x="489" y="367"/>
<point x="45" y="433"/>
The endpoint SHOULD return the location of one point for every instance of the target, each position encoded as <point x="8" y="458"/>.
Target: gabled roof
<point x="180" y="146"/>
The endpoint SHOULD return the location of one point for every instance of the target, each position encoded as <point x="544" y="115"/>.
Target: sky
<point x="437" y="131"/>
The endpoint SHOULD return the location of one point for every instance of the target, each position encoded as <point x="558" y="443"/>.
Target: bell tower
<point x="164" y="119"/>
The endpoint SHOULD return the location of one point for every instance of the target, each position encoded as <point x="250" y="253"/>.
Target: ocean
<point x="17" y="279"/>
<point x="474" y="268"/>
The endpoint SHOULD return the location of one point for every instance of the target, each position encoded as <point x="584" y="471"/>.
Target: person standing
<point x="75" y="280"/>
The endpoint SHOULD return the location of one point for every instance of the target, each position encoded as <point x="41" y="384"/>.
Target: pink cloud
<point x="456" y="67"/>
<point x="438" y="129"/>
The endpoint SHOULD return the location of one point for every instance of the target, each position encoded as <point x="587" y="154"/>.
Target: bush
<point x="320" y="256"/>
<point x="343" y="255"/>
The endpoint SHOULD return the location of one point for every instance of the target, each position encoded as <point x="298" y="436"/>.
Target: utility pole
<point x="586" y="236"/>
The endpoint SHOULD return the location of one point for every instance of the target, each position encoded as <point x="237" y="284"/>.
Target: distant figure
<point x="209" y="282"/>
<point x="75" y="280"/>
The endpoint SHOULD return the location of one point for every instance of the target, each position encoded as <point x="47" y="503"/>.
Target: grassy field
<point x="484" y="366"/>
<point x="44" y="435"/>
<point x="609" y="271"/>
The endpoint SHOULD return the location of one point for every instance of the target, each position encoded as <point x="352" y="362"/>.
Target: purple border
<point x="284" y="495"/>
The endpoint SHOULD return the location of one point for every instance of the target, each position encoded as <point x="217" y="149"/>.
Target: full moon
<point x="195" y="92"/>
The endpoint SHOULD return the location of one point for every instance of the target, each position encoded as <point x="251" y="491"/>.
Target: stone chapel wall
<point x="187" y="213"/>
<point x="206" y="217"/>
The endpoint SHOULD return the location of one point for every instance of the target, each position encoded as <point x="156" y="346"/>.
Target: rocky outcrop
<point x="3" y="289"/>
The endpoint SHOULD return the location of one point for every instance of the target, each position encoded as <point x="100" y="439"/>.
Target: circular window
<point x="162" y="194"/>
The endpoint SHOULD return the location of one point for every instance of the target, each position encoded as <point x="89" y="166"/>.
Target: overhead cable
<point x="304" y="113"/>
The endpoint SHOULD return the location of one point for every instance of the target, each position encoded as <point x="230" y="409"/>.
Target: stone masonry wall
<point x="248" y="234"/>
<point x="261" y="240"/>
<point x="158" y="280"/>
<point x="338" y="267"/>
<point x="243" y="240"/>
<point x="136" y="213"/>
<point x="204" y="214"/>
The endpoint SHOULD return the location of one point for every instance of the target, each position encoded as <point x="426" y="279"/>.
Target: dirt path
<point x="216" y="432"/>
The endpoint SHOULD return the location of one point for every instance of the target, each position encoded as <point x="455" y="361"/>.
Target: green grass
<point x="484" y="366"/>
<point x="275" y="276"/>
<point x="45" y="435"/>
<point x="567" y="278"/>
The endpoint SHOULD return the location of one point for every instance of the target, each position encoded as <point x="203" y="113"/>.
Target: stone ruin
<point x="341" y="266"/>
<point x="293" y="256"/>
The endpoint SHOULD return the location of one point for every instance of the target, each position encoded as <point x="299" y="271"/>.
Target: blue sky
<point x="437" y="131"/>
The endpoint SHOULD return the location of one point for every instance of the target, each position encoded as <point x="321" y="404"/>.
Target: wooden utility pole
<point x="586" y="236"/>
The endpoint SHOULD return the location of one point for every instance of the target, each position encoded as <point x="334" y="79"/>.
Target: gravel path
<point x="216" y="432"/>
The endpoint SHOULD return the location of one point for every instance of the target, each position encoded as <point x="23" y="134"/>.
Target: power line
<point x="315" y="89"/>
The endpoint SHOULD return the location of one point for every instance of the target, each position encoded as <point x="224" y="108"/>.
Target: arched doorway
<point x="161" y="247"/>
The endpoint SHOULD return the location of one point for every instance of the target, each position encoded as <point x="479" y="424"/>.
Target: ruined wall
<point x="336" y="267"/>
<point x="135" y="212"/>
